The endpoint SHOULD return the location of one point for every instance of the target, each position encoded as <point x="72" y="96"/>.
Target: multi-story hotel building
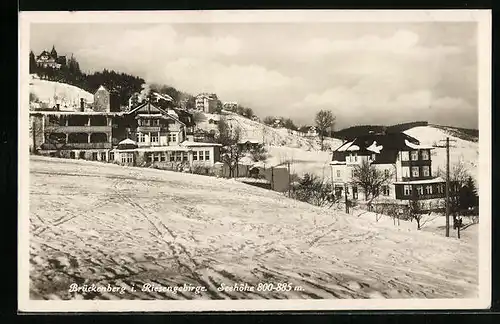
<point x="407" y="163"/>
<point x="144" y="133"/>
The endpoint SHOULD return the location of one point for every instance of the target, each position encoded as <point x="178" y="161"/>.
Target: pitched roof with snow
<point x="375" y="143"/>
<point x="200" y="144"/>
<point x="101" y="87"/>
<point x="127" y="141"/>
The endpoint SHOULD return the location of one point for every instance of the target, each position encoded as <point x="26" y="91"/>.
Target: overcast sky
<point x="366" y="73"/>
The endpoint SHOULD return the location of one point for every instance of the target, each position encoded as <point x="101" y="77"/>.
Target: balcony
<point x="147" y="129"/>
<point x="78" y="129"/>
<point x="416" y="162"/>
<point x="76" y="146"/>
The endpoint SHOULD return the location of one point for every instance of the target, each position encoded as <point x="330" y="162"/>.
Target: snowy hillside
<point x="253" y="130"/>
<point x="49" y="93"/>
<point x="461" y="150"/>
<point x="282" y="145"/>
<point x="102" y="223"/>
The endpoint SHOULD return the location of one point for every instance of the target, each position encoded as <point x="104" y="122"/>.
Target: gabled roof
<point x="101" y="87"/>
<point x="162" y="96"/>
<point x="149" y="107"/>
<point x="44" y="53"/>
<point x="375" y="143"/>
<point x="127" y="141"/>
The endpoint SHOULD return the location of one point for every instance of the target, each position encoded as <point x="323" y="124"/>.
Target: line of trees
<point x="242" y="110"/>
<point x="124" y="85"/>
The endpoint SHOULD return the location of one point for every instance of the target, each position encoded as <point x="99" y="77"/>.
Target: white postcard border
<point x="483" y="17"/>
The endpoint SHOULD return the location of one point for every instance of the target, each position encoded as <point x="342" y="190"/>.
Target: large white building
<point x="402" y="157"/>
<point x="206" y="102"/>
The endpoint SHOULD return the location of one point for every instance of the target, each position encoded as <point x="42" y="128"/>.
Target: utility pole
<point x="447" y="146"/>
<point x="272" y="178"/>
<point x="345" y="197"/>
<point x="289" y="182"/>
<point x="33" y="134"/>
<point x="447" y="186"/>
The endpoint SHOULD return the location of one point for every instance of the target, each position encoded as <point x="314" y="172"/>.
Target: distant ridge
<point x="361" y="130"/>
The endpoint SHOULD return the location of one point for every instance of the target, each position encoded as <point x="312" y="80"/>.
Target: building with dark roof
<point x="145" y="134"/>
<point x="401" y="156"/>
<point x="50" y="59"/>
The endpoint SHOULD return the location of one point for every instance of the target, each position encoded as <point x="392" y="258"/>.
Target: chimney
<point x="82" y="104"/>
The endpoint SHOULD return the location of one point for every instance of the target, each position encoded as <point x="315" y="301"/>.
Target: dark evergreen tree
<point x="33" y="66"/>
<point x="468" y="197"/>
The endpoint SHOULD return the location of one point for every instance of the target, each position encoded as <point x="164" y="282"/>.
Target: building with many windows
<point x="145" y="134"/>
<point x="206" y="102"/>
<point x="50" y="59"/>
<point x="402" y="158"/>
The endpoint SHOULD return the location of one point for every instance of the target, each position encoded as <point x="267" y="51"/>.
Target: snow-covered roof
<point x="259" y="164"/>
<point x="72" y="112"/>
<point x="195" y="144"/>
<point x="155" y="149"/>
<point x="353" y="148"/>
<point x="102" y="88"/>
<point x="335" y="162"/>
<point x="252" y="141"/>
<point x="416" y="146"/>
<point x="173" y="113"/>
<point x="375" y="148"/>
<point x="127" y="141"/>
<point x="344" y="146"/>
<point x="426" y="181"/>
<point x="163" y="96"/>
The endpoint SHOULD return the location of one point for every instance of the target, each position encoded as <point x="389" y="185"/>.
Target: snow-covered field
<point x="50" y="92"/>
<point x="93" y="223"/>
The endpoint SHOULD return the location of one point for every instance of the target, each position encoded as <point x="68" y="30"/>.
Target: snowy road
<point x="94" y="223"/>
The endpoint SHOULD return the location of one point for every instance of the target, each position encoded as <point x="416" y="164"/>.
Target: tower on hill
<point x="102" y="100"/>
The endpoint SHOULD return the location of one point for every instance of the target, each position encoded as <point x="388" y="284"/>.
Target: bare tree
<point x="314" y="190"/>
<point x="415" y="211"/>
<point x="258" y="154"/>
<point x="229" y="138"/>
<point x="370" y="179"/>
<point x="459" y="177"/>
<point x="324" y="121"/>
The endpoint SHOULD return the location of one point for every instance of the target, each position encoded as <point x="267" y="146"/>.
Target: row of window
<point x="154" y="138"/>
<point x="413" y="155"/>
<point x="405" y="156"/>
<point x="339" y="173"/>
<point x="176" y="156"/>
<point x="127" y="157"/>
<point x="95" y="156"/>
<point x="201" y="155"/>
<point x="415" y="171"/>
<point x="148" y="122"/>
<point x="407" y="189"/>
<point x="385" y="191"/>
